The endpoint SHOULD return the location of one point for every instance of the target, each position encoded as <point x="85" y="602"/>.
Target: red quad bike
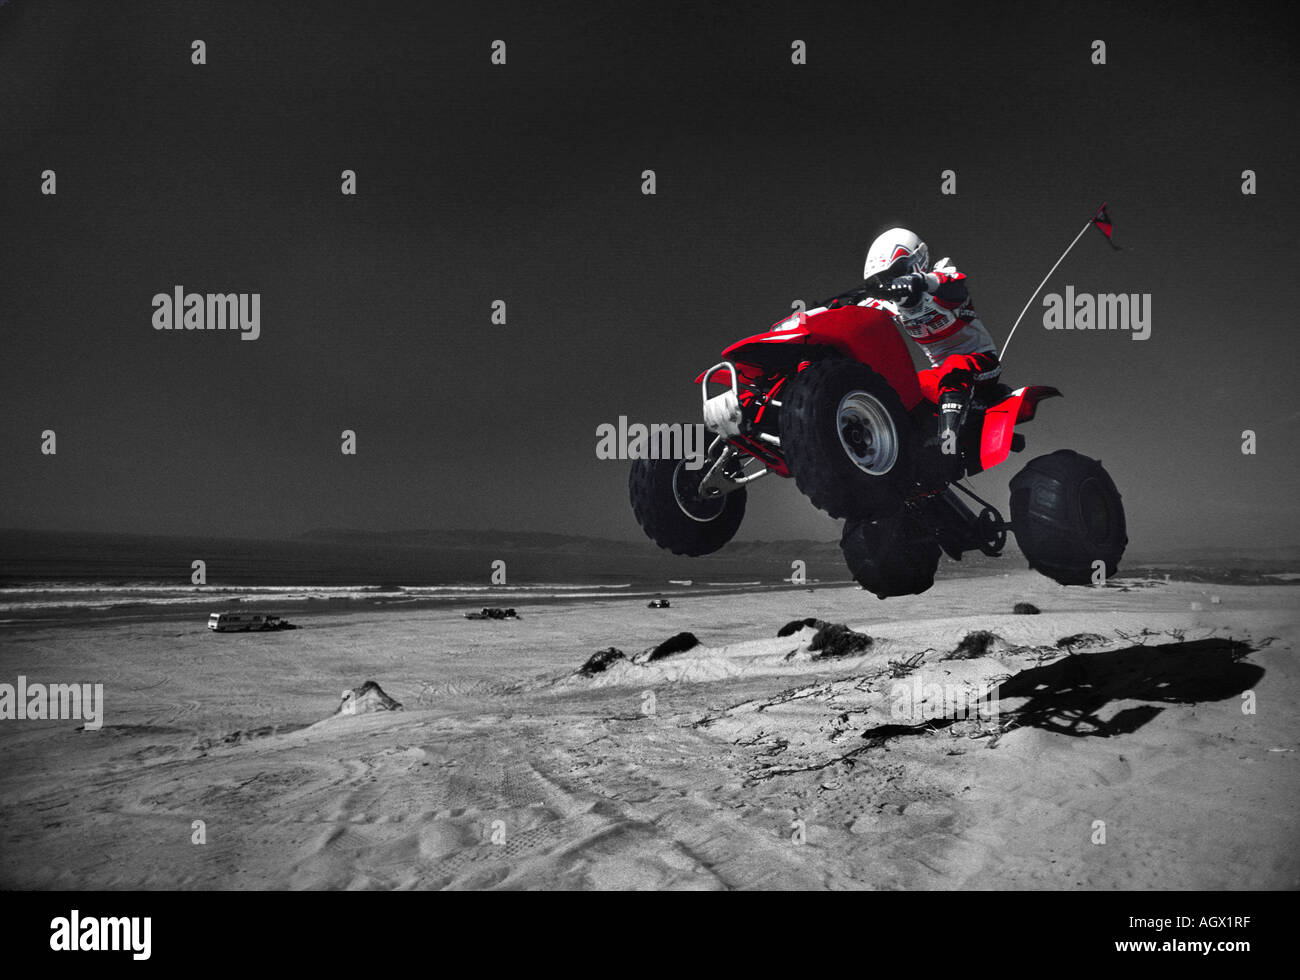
<point x="831" y="398"/>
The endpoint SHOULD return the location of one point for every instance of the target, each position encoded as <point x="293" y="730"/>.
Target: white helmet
<point x="896" y="252"/>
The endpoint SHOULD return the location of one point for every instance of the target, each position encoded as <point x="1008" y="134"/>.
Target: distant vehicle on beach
<point x="492" y="613"/>
<point x="226" y="622"/>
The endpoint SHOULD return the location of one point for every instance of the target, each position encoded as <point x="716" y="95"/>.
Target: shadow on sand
<point x="1070" y="695"/>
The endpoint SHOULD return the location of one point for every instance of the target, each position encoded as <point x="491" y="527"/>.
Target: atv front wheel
<point x="666" y="501"/>
<point x="1067" y="514"/>
<point x="846" y="439"/>
<point x="890" y="557"/>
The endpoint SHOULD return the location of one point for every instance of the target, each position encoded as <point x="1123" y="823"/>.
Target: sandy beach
<point x="1155" y="748"/>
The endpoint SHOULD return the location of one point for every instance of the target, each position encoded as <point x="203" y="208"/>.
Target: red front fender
<point x="1000" y="422"/>
<point x="865" y="334"/>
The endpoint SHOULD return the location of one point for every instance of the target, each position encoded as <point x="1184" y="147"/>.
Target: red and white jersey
<point x="942" y="320"/>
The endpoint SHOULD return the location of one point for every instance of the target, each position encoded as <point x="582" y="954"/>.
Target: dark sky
<point x="479" y="182"/>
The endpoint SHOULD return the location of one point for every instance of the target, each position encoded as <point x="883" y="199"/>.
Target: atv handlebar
<point x="868" y="290"/>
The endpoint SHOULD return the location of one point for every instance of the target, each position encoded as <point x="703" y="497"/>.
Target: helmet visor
<point x="901" y="266"/>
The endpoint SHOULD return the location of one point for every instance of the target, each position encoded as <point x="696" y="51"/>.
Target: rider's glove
<point x="906" y="289"/>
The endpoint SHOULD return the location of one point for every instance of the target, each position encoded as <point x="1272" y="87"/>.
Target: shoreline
<point x="182" y="610"/>
<point x="468" y="598"/>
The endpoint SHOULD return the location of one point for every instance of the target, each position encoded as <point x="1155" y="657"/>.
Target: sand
<point x="745" y="762"/>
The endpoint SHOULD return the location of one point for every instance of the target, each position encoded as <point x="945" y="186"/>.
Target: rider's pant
<point x="959" y="372"/>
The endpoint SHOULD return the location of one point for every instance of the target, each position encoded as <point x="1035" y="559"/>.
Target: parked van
<point x="226" y="622"/>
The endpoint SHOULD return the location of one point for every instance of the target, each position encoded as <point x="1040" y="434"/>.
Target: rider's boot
<point x="952" y="407"/>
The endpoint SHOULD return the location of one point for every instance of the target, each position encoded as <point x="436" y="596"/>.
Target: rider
<point x="933" y="306"/>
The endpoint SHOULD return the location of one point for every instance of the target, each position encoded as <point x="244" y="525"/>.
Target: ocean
<point x="57" y="575"/>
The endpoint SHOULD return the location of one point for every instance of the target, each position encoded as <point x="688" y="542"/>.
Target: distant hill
<point x="517" y="541"/>
<point x="1268" y="556"/>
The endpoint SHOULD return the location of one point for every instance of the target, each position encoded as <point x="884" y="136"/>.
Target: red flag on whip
<point x="1103" y="223"/>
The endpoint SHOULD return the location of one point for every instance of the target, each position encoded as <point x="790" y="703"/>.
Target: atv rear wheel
<point x="1067" y="514"/>
<point x="890" y="557"/>
<point x="847" y="439"/>
<point x="667" y="505"/>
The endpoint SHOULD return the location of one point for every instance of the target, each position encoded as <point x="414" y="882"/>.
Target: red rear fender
<point x="1000" y="422"/>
